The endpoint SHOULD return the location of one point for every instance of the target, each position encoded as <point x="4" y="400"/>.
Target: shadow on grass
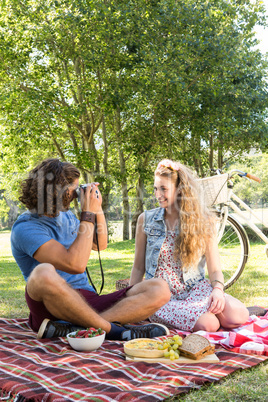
<point x="5" y="230"/>
<point x="8" y="259"/>
<point x="257" y="274"/>
<point x="247" y="385"/>
<point x="12" y="291"/>
<point x="114" y="270"/>
<point x="122" y="245"/>
<point x="117" y="261"/>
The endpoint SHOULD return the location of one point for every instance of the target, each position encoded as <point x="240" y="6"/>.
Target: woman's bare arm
<point x="138" y="268"/>
<point x="216" y="300"/>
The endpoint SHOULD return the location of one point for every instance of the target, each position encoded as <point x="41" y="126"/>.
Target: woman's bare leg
<point x="207" y="322"/>
<point x="234" y="314"/>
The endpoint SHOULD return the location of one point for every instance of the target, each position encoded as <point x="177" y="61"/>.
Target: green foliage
<point x="115" y="86"/>
<point x="3" y="211"/>
<point x="252" y="192"/>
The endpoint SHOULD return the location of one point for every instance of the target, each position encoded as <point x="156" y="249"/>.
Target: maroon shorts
<point x="38" y="311"/>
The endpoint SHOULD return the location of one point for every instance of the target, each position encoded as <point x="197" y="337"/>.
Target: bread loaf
<point x="195" y="347"/>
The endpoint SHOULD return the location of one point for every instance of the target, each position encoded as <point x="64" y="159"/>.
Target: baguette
<point x="195" y="347"/>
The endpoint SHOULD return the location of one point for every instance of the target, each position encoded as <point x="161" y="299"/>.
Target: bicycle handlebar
<point x="244" y="174"/>
<point x="252" y="177"/>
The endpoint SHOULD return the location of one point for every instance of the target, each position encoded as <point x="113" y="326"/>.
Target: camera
<point x="83" y="187"/>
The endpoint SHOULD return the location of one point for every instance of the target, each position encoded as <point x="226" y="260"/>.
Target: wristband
<point x="88" y="217"/>
<point x="216" y="280"/>
<point x="216" y="287"/>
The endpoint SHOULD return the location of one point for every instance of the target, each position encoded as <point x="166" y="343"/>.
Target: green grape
<point x="170" y="346"/>
<point x="176" y="354"/>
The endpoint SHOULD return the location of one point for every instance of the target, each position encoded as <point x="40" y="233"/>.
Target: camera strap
<point x="102" y="274"/>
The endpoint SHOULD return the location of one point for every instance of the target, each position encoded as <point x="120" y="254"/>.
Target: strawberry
<point x="80" y="333"/>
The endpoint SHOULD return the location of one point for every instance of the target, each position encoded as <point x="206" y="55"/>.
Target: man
<point x="52" y="248"/>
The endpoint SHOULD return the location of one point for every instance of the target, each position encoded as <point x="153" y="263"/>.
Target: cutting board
<point x="181" y="360"/>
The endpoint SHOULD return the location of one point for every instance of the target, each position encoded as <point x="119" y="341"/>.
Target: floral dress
<point x="185" y="306"/>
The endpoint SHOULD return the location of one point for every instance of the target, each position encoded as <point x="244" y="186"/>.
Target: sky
<point x="262" y="33"/>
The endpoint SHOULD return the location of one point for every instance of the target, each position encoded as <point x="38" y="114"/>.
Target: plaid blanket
<point x="251" y="338"/>
<point x="50" y="371"/>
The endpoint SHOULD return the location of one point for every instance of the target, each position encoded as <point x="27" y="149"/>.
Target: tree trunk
<point x="126" y="208"/>
<point x="195" y="142"/>
<point x="139" y="208"/>
<point x="220" y="153"/>
<point x="123" y="176"/>
<point x="107" y="188"/>
<point x="211" y="149"/>
<point x="12" y="213"/>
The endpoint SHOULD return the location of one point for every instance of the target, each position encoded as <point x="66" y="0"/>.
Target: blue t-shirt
<point x="31" y="231"/>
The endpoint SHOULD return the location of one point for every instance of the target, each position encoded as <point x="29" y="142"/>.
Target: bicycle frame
<point x="234" y="245"/>
<point x="239" y="212"/>
<point x="230" y="203"/>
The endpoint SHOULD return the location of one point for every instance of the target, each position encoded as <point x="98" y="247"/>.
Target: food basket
<point x="214" y="189"/>
<point x="122" y="284"/>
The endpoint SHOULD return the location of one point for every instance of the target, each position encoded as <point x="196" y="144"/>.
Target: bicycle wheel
<point x="234" y="251"/>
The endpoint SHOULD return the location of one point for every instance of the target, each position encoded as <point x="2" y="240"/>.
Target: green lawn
<point x="251" y="288"/>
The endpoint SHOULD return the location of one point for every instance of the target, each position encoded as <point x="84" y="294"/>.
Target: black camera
<point x="83" y="187"/>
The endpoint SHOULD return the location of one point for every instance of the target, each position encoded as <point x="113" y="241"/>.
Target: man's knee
<point x="159" y="290"/>
<point x="42" y="278"/>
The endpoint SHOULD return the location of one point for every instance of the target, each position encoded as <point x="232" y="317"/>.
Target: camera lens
<point x="83" y="187"/>
<point x="78" y="191"/>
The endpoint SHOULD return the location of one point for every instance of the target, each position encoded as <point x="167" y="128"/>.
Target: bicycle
<point x="233" y="241"/>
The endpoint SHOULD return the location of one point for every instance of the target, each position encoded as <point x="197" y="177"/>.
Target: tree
<point x="114" y="86"/>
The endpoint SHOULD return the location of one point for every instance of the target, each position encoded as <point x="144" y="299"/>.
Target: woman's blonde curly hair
<point x="196" y="223"/>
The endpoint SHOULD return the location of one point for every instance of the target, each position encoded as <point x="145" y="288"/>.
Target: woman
<point x="174" y="242"/>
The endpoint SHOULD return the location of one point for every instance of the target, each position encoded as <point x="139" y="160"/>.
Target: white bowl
<point x="85" y="344"/>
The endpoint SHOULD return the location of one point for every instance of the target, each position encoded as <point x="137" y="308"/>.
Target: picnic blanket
<point x="251" y="338"/>
<point x="50" y="371"/>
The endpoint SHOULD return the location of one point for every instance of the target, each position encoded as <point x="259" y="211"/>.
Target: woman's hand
<point x="216" y="301"/>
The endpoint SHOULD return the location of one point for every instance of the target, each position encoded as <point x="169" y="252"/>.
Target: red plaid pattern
<point x="251" y="338"/>
<point x="49" y="370"/>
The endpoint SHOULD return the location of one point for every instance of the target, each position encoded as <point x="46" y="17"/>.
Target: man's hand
<point x="91" y="198"/>
<point x="75" y="258"/>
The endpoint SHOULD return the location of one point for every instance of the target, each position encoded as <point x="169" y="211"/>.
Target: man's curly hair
<point x="46" y="190"/>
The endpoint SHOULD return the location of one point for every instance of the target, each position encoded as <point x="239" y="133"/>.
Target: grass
<point x="251" y="288"/>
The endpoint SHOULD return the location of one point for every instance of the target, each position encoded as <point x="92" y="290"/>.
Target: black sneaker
<point x="53" y="329"/>
<point x="143" y="331"/>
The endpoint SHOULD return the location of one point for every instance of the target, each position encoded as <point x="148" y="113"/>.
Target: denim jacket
<point x="155" y="230"/>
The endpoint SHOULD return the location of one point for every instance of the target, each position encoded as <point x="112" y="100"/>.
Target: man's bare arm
<point x="75" y="259"/>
